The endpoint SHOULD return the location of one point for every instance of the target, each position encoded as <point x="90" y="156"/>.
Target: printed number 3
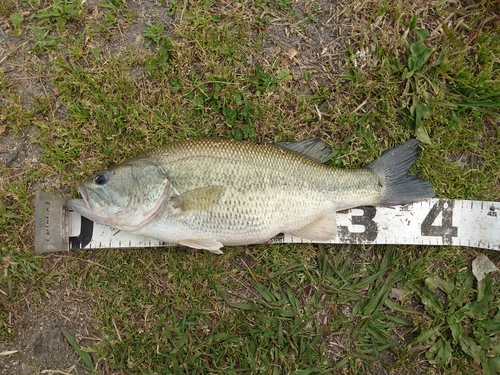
<point x="366" y="220"/>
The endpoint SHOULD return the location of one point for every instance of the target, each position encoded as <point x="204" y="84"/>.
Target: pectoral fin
<point x="198" y="199"/>
<point x="209" y="244"/>
<point x="324" y="228"/>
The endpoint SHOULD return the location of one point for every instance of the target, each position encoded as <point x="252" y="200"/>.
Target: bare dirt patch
<point x="39" y="345"/>
<point x="19" y="151"/>
<point x="315" y="44"/>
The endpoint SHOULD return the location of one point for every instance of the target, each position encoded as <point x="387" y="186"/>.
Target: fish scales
<point x="197" y="163"/>
<point x="267" y="190"/>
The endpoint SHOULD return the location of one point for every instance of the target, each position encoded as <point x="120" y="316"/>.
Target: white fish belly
<point x="250" y="211"/>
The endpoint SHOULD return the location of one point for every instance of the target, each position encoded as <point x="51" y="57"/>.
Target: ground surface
<point x="85" y="85"/>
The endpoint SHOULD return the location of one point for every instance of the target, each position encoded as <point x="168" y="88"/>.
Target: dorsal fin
<point x="313" y="148"/>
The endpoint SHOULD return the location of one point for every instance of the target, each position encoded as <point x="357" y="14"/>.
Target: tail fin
<point x="398" y="187"/>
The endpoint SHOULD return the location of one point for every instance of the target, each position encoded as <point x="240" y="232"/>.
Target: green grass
<point x="198" y="69"/>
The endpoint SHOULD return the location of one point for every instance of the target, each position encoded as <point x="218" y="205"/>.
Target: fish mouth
<point x="94" y="200"/>
<point x="83" y="192"/>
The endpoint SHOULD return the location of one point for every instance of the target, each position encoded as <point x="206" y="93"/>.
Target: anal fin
<point x="324" y="228"/>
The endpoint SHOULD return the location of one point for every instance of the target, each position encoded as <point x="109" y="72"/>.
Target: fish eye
<point x="101" y="178"/>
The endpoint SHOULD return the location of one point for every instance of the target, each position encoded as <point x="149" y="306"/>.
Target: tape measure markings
<point x="433" y="222"/>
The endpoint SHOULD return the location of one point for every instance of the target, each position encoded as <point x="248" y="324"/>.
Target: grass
<point x="93" y="84"/>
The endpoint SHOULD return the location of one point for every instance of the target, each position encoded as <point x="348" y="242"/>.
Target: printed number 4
<point x="446" y="230"/>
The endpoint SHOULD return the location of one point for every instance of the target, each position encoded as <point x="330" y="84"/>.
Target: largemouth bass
<point x="208" y="193"/>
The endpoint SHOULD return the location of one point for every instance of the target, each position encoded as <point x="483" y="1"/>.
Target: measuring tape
<point x="431" y="222"/>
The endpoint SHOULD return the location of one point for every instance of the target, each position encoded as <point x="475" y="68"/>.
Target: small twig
<point x="58" y="371"/>
<point x="360" y="106"/>
<point x="116" y="329"/>
<point x="318" y="112"/>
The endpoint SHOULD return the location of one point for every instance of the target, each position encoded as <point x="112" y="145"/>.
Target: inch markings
<point x="433" y="222"/>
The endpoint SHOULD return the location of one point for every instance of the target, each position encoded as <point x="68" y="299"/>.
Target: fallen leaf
<point x="3" y="130"/>
<point x="481" y="266"/>
<point x="422" y="135"/>
<point x="285" y="61"/>
<point x="292" y="52"/>
<point x="397" y="294"/>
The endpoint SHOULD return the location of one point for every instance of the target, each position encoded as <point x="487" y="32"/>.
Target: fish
<point x="212" y="192"/>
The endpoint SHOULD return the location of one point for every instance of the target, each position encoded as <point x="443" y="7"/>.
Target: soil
<point x="39" y="346"/>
